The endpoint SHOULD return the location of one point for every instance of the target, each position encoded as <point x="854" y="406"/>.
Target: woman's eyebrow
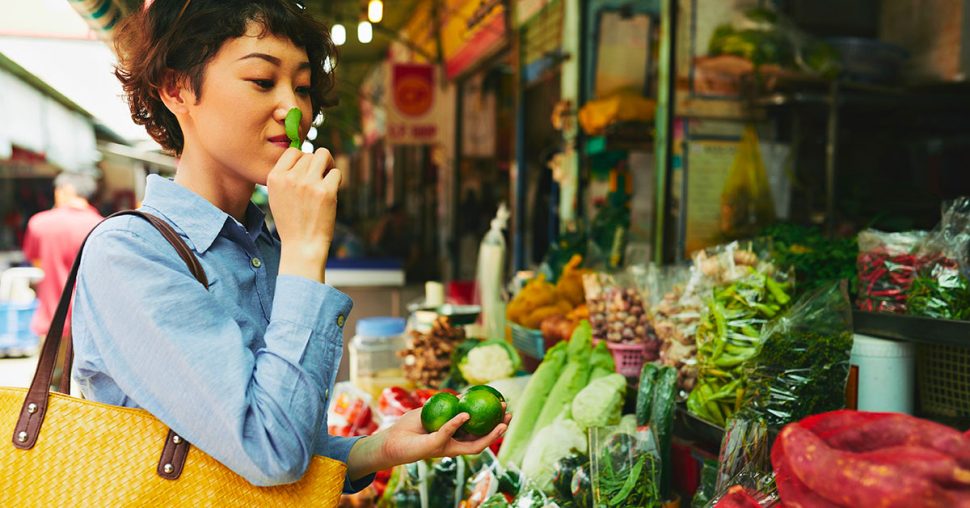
<point x="272" y="59"/>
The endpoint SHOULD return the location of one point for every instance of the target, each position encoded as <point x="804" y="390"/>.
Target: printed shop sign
<point x="412" y="113"/>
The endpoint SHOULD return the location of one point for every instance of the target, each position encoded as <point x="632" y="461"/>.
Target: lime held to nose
<point x="485" y="409"/>
<point x="438" y="410"/>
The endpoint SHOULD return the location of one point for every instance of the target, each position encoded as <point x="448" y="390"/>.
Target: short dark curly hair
<point x="175" y="39"/>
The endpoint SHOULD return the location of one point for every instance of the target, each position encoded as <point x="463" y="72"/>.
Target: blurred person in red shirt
<point x="53" y="239"/>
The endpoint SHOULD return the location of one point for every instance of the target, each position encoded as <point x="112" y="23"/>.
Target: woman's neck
<point x="217" y="185"/>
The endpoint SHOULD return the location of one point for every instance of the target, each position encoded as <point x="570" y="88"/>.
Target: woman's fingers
<point x="320" y="163"/>
<point x="448" y="430"/>
<point x="289" y="158"/>
<point x="480" y="444"/>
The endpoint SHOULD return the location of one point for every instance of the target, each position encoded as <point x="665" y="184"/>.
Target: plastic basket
<point x="943" y="376"/>
<point x="528" y="341"/>
<point x="629" y="358"/>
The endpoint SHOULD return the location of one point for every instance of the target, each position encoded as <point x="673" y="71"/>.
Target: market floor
<point x="17" y="371"/>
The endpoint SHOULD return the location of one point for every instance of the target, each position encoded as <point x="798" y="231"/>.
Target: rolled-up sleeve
<point x="169" y="347"/>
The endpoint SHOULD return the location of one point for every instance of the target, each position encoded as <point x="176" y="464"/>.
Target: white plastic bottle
<point x="491" y="276"/>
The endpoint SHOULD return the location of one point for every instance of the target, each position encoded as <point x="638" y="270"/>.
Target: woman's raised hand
<point x="303" y="197"/>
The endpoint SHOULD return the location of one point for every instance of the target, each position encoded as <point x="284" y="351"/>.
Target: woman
<point x="243" y="370"/>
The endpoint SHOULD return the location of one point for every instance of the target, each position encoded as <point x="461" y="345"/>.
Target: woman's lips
<point x="280" y="141"/>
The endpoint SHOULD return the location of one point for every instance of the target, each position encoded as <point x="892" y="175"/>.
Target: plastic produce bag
<point x="887" y="264"/>
<point x="728" y="337"/>
<point x="625" y="468"/>
<point x="744" y="461"/>
<point x="940" y="289"/>
<point x="489" y="482"/>
<point x="619" y="310"/>
<point x="746" y="203"/>
<point x="803" y="361"/>
<point x="350" y="412"/>
<point x="571" y="481"/>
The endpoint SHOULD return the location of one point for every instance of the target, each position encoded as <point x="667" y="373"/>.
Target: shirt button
<point x="326" y="393"/>
<point x="256" y="263"/>
<point x="340" y="320"/>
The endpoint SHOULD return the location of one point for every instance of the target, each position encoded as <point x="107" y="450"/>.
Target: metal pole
<point x="831" y="149"/>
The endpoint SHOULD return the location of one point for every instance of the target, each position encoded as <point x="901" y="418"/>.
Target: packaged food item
<point x="729" y="336"/>
<point x="887" y="265"/>
<point x="625" y="468"/>
<point x="619" y="312"/>
<point x="940" y="288"/>
<point x="803" y="360"/>
<point x="350" y="412"/>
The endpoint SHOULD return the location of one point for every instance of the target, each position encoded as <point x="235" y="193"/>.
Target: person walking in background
<point x="54" y="237"/>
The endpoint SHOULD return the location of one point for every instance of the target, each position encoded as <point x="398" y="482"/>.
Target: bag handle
<point x="35" y="404"/>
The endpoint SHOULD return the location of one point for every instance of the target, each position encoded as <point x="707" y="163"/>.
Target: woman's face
<point x="247" y="89"/>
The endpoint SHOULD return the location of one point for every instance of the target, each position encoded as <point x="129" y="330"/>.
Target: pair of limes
<point x="482" y="403"/>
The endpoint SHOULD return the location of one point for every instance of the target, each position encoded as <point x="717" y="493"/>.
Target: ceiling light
<point x="338" y="34"/>
<point x="375" y="11"/>
<point x="365" y="32"/>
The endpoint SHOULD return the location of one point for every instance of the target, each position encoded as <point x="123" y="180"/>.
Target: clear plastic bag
<point x="887" y="265"/>
<point x="940" y="288"/>
<point x="728" y="337"/>
<point x="803" y="360"/>
<point x="744" y="460"/>
<point x="619" y="310"/>
<point x="625" y="468"/>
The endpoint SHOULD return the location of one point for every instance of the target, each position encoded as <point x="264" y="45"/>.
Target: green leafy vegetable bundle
<point x="625" y="467"/>
<point x="803" y="361"/>
<point x="816" y="259"/>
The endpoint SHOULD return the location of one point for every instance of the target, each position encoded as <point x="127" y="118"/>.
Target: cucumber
<point x="648" y="377"/>
<point x="662" y="422"/>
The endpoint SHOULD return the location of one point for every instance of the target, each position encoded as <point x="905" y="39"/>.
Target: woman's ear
<point x="175" y="94"/>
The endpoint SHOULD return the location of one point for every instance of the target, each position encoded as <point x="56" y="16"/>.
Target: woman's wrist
<point x="306" y="262"/>
<point x="368" y="456"/>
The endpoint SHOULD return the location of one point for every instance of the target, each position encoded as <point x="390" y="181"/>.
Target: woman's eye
<point x="265" y="84"/>
<point x="303" y="90"/>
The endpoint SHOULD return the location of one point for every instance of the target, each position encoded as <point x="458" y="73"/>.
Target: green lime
<point x="485" y="409"/>
<point x="438" y="410"/>
<point x="489" y="389"/>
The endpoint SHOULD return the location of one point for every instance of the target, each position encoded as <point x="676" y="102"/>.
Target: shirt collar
<point x="200" y="220"/>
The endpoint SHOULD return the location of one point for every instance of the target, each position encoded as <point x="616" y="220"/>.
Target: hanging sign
<point x="412" y="112"/>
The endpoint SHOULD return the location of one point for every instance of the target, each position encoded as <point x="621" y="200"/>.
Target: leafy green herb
<point x="817" y="260"/>
<point x="292" y="125"/>
<point x="803" y="363"/>
<point x="940" y="291"/>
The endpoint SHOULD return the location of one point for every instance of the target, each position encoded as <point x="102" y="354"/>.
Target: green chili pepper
<point x="777" y="291"/>
<point x="292" y="124"/>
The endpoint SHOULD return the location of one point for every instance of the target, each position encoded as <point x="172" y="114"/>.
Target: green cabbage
<point x="601" y="403"/>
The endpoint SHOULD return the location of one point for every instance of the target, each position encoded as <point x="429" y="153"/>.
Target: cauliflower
<point x="600" y="403"/>
<point x="488" y="361"/>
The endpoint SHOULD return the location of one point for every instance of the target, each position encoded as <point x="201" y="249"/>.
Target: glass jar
<point x="374" y="360"/>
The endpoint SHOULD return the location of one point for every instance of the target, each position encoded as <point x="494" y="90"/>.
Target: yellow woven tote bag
<point x="67" y="451"/>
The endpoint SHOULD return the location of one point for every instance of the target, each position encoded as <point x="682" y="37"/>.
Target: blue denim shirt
<point x="242" y="370"/>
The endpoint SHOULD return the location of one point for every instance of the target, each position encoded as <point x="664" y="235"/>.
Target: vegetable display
<point x="427" y="357"/>
<point x="533" y="398"/>
<point x="816" y="259"/>
<point x="574" y="377"/>
<point x="728" y="336"/>
<point x="803" y="362"/>
<point x="488" y="361"/>
<point x="626" y="469"/>
<point x="849" y="458"/>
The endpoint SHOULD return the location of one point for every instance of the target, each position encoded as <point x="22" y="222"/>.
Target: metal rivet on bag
<point x="176" y="439"/>
<point x="31" y="408"/>
<point x="168" y="468"/>
<point x="22" y="437"/>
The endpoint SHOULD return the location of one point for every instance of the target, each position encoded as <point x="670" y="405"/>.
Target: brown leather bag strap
<point x="35" y="404"/>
